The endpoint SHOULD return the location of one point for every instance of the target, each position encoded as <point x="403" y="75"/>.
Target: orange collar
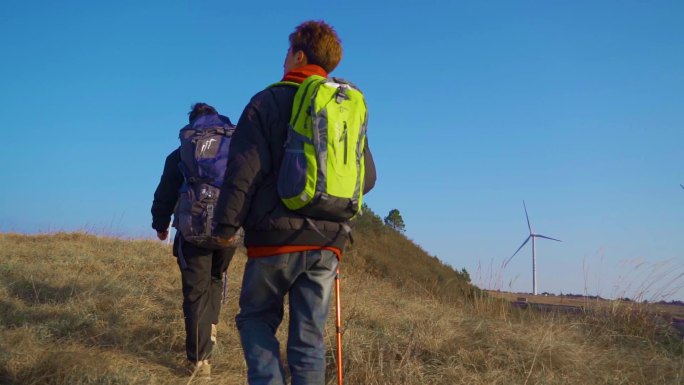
<point x="299" y="74"/>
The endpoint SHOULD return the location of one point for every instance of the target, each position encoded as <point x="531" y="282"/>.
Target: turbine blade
<point x="516" y="252"/>
<point x="528" y="218"/>
<point x="544" y="236"/>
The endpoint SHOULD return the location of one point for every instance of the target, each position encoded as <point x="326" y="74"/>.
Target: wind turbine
<point x="533" y="236"/>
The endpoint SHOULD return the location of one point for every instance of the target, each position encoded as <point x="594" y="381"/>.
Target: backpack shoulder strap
<point x="284" y="83"/>
<point x="304" y="94"/>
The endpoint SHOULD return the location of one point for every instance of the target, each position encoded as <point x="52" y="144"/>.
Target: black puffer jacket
<point x="249" y="197"/>
<point x="166" y="195"/>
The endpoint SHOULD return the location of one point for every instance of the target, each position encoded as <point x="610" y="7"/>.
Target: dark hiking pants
<point x="202" y="277"/>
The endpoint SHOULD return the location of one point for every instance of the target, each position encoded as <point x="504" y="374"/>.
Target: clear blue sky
<point x="577" y="107"/>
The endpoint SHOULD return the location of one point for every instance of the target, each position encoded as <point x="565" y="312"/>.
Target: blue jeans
<point x="308" y="278"/>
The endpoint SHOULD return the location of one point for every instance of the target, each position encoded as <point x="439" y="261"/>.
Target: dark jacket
<point x="249" y="196"/>
<point x="166" y="195"/>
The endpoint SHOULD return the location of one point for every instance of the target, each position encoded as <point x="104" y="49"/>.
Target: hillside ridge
<point x="80" y="309"/>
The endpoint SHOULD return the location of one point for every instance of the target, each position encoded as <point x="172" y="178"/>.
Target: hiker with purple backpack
<point x="189" y="189"/>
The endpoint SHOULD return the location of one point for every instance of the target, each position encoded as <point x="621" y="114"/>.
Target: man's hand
<point x="223" y="237"/>
<point x="162" y="235"/>
<point x="223" y="242"/>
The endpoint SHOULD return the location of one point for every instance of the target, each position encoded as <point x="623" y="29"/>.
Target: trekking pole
<point x="225" y="286"/>
<point x="338" y="326"/>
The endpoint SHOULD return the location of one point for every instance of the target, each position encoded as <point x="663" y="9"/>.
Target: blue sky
<point x="575" y="107"/>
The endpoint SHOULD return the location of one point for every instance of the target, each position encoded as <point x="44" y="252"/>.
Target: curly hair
<point x="200" y="109"/>
<point x="319" y="42"/>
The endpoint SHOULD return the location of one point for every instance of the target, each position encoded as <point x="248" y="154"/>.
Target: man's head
<point x="313" y="42"/>
<point x="200" y="109"/>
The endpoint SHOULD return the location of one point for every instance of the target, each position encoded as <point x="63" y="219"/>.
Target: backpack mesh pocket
<point x="292" y="176"/>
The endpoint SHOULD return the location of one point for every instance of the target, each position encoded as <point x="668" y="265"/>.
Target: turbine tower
<point x="533" y="236"/>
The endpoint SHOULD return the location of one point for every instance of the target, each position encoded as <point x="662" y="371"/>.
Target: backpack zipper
<point x="346" y="141"/>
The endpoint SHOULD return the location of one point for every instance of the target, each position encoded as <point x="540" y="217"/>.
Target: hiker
<point x="288" y="253"/>
<point x="201" y="268"/>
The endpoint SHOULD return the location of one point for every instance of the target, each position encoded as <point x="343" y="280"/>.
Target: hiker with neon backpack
<point x="298" y="167"/>
<point x="189" y="189"/>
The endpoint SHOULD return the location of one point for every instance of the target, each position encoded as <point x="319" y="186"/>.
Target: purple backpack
<point x="204" y="156"/>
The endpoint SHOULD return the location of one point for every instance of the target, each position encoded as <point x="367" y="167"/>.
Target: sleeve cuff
<point x="161" y="225"/>
<point x="224" y="231"/>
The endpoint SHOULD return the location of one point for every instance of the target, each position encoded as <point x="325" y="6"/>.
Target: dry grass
<point x="80" y="309"/>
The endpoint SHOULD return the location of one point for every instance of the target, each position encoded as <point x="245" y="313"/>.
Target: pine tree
<point x="395" y="221"/>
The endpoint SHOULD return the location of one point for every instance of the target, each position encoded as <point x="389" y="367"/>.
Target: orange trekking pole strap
<point x="338" y="325"/>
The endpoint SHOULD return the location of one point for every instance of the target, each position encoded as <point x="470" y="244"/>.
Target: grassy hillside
<point x="81" y="309"/>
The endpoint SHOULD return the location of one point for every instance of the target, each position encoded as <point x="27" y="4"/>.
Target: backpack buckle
<point x="341" y="94"/>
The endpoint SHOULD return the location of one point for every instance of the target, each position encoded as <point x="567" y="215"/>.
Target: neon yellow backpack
<point x="321" y="175"/>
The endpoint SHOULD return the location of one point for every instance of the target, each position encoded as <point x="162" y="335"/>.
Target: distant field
<point x="665" y="310"/>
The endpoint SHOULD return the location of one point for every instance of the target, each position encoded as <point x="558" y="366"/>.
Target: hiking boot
<point x="213" y="334"/>
<point x="199" y="368"/>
